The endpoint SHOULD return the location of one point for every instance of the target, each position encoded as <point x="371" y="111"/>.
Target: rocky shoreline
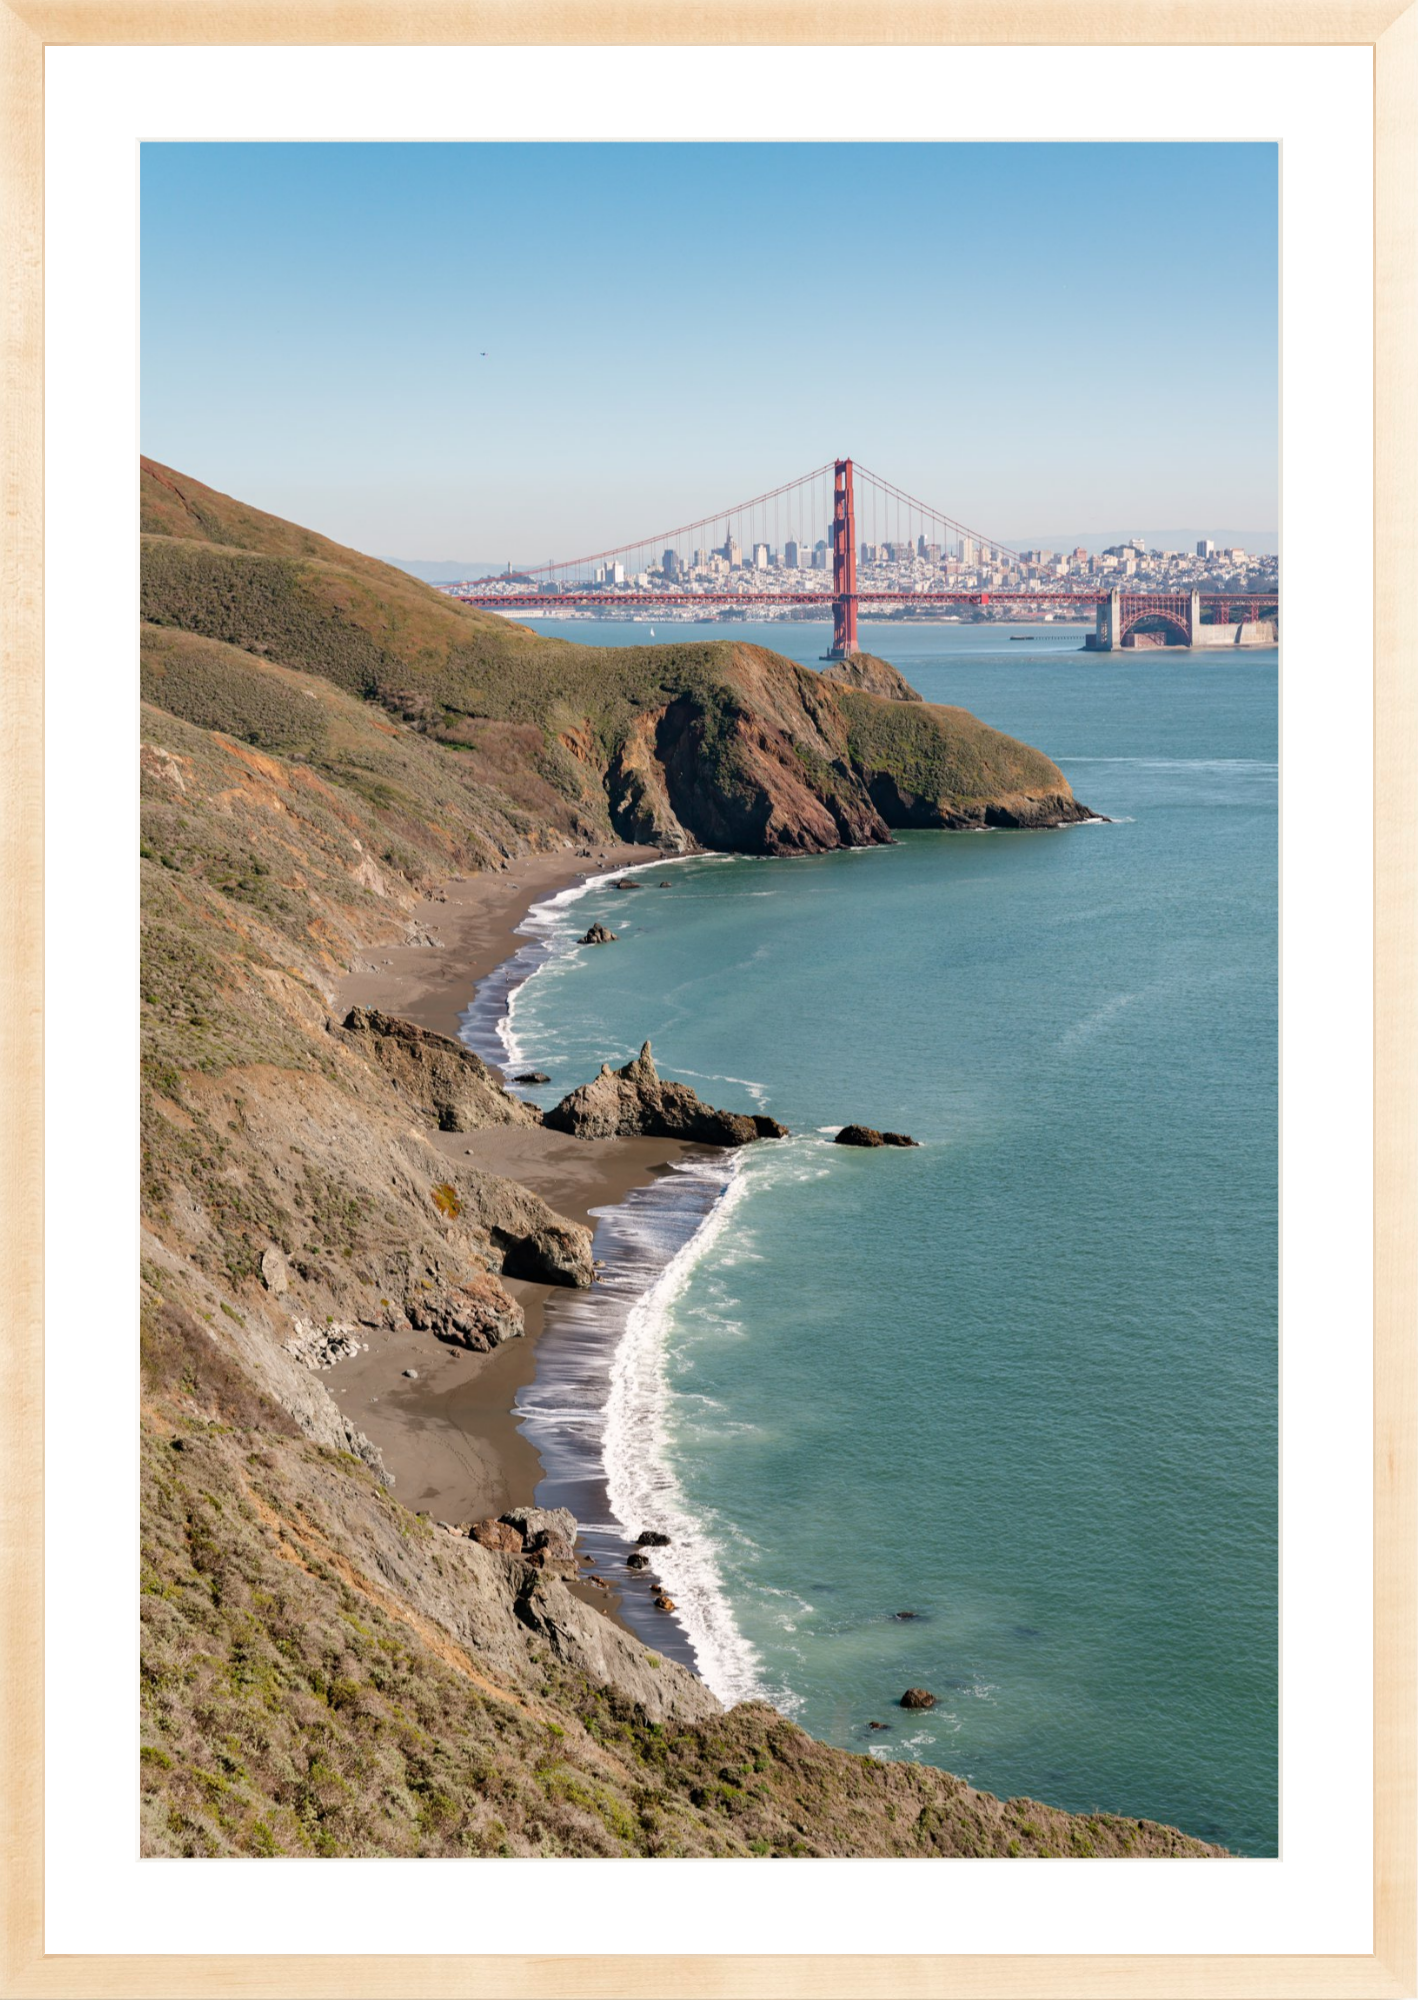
<point x="479" y="1408"/>
<point x="447" y="1423"/>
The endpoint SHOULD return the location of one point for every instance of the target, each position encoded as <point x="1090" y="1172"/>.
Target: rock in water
<point x="918" y="1698"/>
<point x="651" y="1538"/>
<point x="534" y="1075"/>
<point x="867" y="1135"/>
<point x="633" y="1102"/>
<point x="598" y="934"/>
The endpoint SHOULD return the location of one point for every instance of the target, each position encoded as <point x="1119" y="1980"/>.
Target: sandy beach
<point x="449" y="1435"/>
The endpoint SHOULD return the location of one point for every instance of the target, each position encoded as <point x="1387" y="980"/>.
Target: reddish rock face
<point x="496" y="1535"/>
<point x="757" y="755"/>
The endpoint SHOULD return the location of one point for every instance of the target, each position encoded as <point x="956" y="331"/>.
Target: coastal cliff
<point x="682" y="745"/>
<point x="326" y="1671"/>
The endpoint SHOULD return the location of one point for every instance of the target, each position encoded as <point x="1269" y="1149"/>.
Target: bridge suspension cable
<point x="789" y="527"/>
<point x="669" y="536"/>
<point x="921" y="510"/>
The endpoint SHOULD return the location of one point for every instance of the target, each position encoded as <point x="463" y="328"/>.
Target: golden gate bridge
<point x="776" y="534"/>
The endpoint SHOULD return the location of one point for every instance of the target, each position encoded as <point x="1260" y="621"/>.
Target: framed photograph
<point x="709" y="869"/>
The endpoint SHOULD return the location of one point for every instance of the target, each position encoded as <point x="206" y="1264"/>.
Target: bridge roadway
<point x="1122" y="619"/>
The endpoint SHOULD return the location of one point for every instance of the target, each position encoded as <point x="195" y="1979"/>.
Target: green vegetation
<point x="723" y="743"/>
<point x="963" y="760"/>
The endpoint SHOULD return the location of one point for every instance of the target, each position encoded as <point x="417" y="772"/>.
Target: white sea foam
<point x="1095" y="1023"/>
<point x="641" y="1483"/>
<point x="757" y="1091"/>
<point x="634" y="1423"/>
<point x="550" y="933"/>
<point x="1180" y="763"/>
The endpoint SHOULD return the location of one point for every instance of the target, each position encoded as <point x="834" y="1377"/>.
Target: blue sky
<point x="489" y="351"/>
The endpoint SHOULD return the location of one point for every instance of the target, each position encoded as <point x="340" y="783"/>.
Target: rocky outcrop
<point x="870" y="675"/>
<point x="536" y="1524"/>
<point x="531" y="1238"/>
<point x="756" y="766"/>
<point x="544" y="1536"/>
<point x="478" y="1314"/>
<point x="918" y="1698"/>
<point x="867" y="1135"/>
<point x="446" y="1083"/>
<point x="581" y="1637"/>
<point x="598" y="934"/>
<point x="317" y="1347"/>
<point x="635" y="1102"/>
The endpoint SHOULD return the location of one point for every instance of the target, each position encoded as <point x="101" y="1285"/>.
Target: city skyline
<point x="466" y="352"/>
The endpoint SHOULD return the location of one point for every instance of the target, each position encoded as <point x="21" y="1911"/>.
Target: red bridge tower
<point x="844" y="564"/>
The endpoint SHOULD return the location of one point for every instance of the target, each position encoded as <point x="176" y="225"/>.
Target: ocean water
<point x="1019" y="1383"/>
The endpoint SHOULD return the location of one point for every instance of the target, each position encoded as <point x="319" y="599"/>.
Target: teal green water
<point x="1021" y="1382"/>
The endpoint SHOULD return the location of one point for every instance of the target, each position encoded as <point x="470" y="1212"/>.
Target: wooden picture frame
<point x="1390" y="27"/>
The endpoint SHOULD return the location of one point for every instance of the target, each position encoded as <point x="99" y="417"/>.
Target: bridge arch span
<point x="1168" y="614"/>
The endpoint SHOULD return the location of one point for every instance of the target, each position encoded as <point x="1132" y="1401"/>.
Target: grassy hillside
<point x="719" y="745"/>
<point x="326" y="1674"/>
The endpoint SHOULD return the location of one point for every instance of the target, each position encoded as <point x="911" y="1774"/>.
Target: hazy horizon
<point x="562" y="347"/>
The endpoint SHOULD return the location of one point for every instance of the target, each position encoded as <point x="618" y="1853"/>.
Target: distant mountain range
<point x="1256" y="541"/>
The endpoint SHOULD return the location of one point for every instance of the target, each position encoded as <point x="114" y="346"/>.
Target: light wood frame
<point x="1390" y="27"/>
